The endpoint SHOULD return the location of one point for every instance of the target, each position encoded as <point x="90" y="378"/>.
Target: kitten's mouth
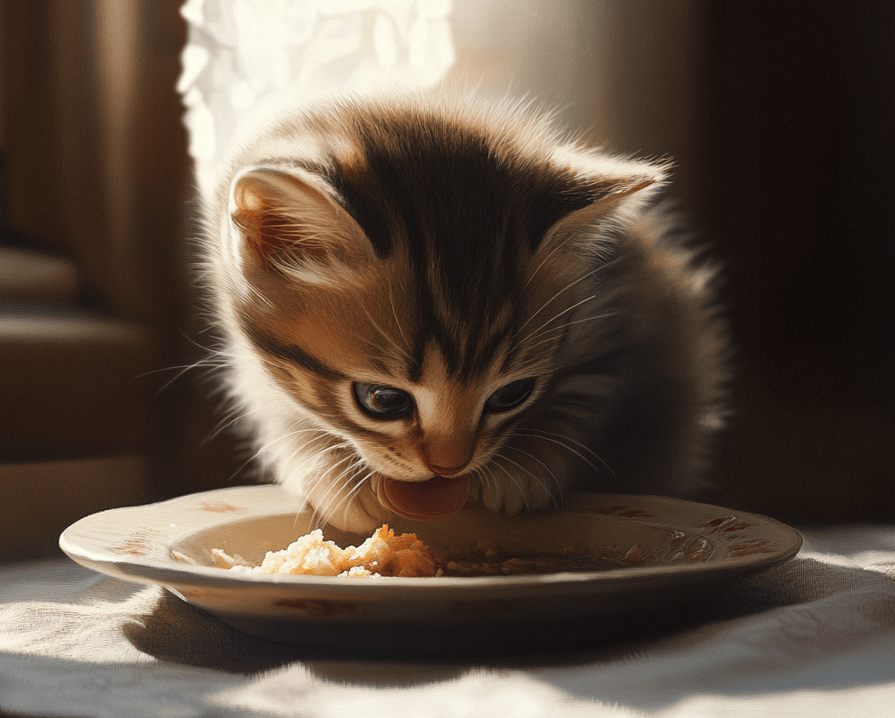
<point x="435" y="498"/>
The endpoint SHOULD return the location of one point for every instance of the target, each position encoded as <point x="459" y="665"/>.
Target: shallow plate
<point x="669" y="553"/>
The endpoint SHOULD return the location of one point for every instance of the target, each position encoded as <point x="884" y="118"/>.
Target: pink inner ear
<point x="256" y="219"/>
<point x="268" y="228"/>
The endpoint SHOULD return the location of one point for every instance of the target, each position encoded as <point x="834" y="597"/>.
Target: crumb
<point x="222" y="559"/>
<point x="382" y="554"/>
<point x="635" y="555"/>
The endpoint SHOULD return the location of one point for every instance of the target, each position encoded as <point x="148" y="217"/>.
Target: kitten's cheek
<point x="435" y="498"/>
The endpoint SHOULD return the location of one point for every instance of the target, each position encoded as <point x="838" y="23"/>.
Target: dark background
<point x="798" y="196"/>
<point x="790" y="182"/>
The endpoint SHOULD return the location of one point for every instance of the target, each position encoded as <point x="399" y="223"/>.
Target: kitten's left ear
<point x="287" y="222"/>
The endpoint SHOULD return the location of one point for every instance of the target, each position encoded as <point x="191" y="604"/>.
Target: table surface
<point x="813" y="637"/>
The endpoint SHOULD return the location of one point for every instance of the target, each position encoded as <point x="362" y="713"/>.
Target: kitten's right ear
<point x="282" y="221"/>
<point x="622" y="189"/>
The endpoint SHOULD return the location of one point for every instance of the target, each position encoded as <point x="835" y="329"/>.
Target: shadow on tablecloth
<point x="177" y="632"/>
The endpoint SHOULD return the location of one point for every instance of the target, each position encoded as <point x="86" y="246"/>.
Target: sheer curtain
<point x="621" y="73"/>
<point x="244" y="54"/>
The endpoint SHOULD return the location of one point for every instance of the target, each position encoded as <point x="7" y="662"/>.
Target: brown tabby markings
<point x="447" y="250"/>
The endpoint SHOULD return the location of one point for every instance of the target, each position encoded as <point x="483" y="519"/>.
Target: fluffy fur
<point x="461" y="255"/>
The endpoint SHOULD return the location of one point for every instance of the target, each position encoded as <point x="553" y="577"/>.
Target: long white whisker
<point x="544" y="261"/>
<point x="512" y="478"/>
<point x="313" y="458"/>
<point x="518" y="465"/>
<point x="321" y="508"/>
<point x="491" y="478"/>
<point x="226" y="423"/>
<point x="204" y="362"/>
<point x="559" y="314"/>
<point x="578" y="454"/>
<point x="266" y="446"/>
<point x="543" y="433"/>
<point x="338" y="481"/>
<point x="351" y="488"/>
<point x="559" y="485"/>
<point x="561" y="291"/>
<point x="585" y="319"/>
<point x="321" y="511"/>
<point x="285" y="436"/>
<point x="486" y="478"/>
<point x="563" y="326"/>
<point x="355" y="490"/>
<point x="201" y="363"/>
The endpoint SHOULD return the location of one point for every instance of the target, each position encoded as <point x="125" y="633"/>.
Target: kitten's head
<point x="418" y="287"/>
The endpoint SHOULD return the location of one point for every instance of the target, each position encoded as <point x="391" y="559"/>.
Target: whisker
<point x="199" y="364"/>
<point x="316" y="477"/>
<point x="608" y="315"/>
<point x="543" y="433"/>
<point x="266" y="446"/>
<point x="559" y="314"/>
<point x="512" y="478"/>
<point x="334" y="482"/>
<point x="490" y="477"/>
<point x="351" y="489"/>
<point x="544" y="261"/>
<point x="225" y="423"/>
<point x="320" y="512"/>
<point x="204" y="362"/>
<point x="569" y="448"/>
<point x="355" y="490"/>
<point x="559" y="486"/>
<point x="563" y="326"/>
<point x="518" y="465"/>
<point x="315" y="460"/>
<point x="484" y="474"/>
<point x="340" y="484"/>
<point x="561" y="291"/>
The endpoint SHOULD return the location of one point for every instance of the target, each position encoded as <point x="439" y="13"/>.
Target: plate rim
<point x="168" y="572"/>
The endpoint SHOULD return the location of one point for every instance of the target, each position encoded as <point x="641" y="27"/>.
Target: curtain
<point x="243" y="56"/>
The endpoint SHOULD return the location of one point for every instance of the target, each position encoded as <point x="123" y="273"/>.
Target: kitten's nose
<point x="447" y="455"/>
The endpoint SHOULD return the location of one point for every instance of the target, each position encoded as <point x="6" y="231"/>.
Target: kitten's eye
<point x="382" y="402"/>
<point x="510" y="396"/>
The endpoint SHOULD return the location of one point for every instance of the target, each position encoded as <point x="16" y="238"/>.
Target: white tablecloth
<point x="814" y="637"/>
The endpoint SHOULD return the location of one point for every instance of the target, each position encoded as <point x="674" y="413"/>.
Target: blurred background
<point x="779" y="115"/>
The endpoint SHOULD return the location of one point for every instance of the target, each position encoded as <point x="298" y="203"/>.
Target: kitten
<point x="427" y="299"/>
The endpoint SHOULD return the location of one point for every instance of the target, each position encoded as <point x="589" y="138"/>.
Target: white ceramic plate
<point x="683" y="551"/>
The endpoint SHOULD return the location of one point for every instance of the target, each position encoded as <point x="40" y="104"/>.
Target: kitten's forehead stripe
<point x="465" y="215"/>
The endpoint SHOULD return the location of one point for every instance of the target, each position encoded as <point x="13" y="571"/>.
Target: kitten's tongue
<point x="435" y="498"/>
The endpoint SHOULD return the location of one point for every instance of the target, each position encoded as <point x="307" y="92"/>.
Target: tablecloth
<point x="813" y="637"/>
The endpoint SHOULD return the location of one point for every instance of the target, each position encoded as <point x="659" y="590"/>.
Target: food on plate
<point x="382" y="554"/>
<point x="387" y="554"/>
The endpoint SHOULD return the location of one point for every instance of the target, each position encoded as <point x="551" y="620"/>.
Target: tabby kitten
<point x="427" y="300"/>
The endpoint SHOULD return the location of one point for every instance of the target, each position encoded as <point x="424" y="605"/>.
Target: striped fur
<point x="448" y="248"/>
